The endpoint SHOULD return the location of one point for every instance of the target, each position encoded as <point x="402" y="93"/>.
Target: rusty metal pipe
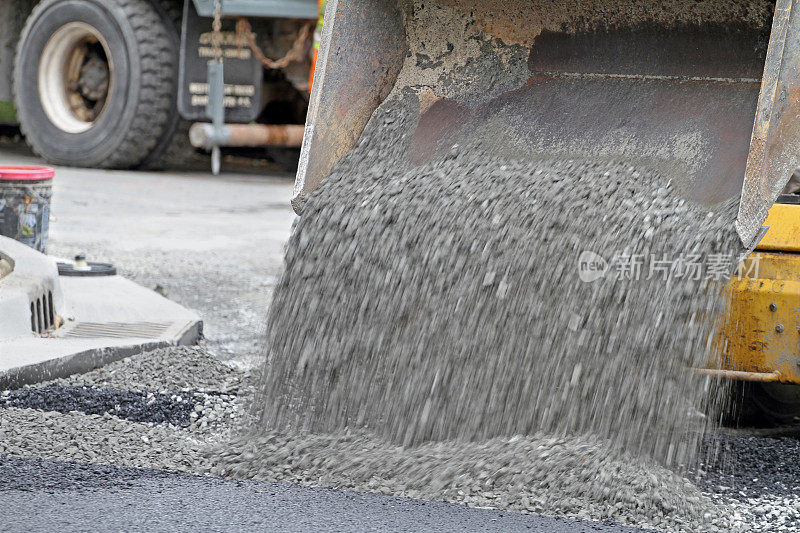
<point x="203" y="135"/>
<point x="761" y="377"/>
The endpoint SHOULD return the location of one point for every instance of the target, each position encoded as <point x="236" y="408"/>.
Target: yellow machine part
<point x="760" y="340"/>
<point x="784" y="230"/>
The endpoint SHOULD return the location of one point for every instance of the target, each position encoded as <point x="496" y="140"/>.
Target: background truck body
<point x="114" y="83"/>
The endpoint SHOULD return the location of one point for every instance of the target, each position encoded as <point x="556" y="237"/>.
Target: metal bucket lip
<point x="26" y="173"/>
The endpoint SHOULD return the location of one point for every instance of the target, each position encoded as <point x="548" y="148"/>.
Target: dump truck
<point x="707" y="92"/>
<point x="118" y="83"/>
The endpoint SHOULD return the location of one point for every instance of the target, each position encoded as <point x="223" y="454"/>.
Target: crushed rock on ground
<point x="760" y="486"/>
<point x="154" y="410"/>
<point x="441" y="302"/>
<point x="570" y="477"/>
<point x="165" y="369"/>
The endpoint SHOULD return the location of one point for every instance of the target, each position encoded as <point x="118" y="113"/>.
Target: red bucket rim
<point x="25" y="173"/>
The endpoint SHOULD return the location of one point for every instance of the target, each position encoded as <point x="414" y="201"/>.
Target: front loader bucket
<point x="676" y="85"/>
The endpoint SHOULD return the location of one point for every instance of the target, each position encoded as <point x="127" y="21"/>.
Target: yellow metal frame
<point x="760" y="339"/>
<point x="784" y="230"/>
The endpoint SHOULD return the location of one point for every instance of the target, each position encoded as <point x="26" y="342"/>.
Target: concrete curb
<point x="88" y="360"/>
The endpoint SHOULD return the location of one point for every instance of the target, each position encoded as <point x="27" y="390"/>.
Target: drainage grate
<point x="43" y="316"/>
<point x="120" y="330"/>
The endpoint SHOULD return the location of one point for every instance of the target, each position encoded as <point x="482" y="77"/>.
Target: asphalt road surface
<point x="46" y="496"/>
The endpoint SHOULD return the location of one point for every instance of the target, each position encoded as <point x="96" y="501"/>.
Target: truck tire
<point x="93" y="81"/>
<point x="173" y="149"/>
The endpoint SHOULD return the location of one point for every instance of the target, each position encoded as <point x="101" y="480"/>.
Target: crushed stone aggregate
<point x="158" y="408"/>
<point x="441" y="302"/>
<point x="750" y="467"/>
<point x="103" y="439"/>
<point x="87" y="427"/>
<point x="539" y="474"/>
<point x="770" y="461"/>
<point x="165" y="369"/>
<point x="757" y="475"/>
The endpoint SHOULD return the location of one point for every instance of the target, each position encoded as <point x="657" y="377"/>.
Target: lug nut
<point x="773" y="307"/>
<point x="779" y="328"/>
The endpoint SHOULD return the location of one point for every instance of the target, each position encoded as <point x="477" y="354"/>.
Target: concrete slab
<point x="104" y="319"/>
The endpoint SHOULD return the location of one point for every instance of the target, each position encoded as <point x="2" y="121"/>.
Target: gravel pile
<point x="573" y="477"/>
<point x="166" y="369"/>
<point x="103" y="439"/>
<point x="154" y="410"/>
<point x="444" y="291"/>
<point x="197" y="410"/>
<point x="217" y="413"/>
<point x="157" y="408"/>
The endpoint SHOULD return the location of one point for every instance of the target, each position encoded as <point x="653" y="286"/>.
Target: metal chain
<point x="298" y="52"/>
<point x="216" y="35"/>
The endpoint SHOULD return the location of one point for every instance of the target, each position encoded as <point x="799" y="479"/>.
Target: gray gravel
<point x="168" y="369"/>
<point x="102" y="439"/>
<point x="432" y="335"/>
<point x="573" y="477"/>
<point x="83" y="418"/>
<point x="759" y="476"/>
<point x="444" y="300"/>
<point x="750" y="467"/>
<point x="760" y="484"/>
<point x="442" y="303"/>
<point x="159" y="408"/>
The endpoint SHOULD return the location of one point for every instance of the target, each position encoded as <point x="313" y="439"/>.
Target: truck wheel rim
<point x="75" y="77"/>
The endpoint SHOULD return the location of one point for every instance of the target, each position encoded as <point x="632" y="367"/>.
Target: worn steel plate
<point x="243" y="72"/>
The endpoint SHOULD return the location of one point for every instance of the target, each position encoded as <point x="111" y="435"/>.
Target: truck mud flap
<point x="243" y="72"/>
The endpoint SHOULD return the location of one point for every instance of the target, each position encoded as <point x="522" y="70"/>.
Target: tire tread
<point x="155" y="93"/>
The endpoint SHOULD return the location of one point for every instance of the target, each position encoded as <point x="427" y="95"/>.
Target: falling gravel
<point x="443" y="304"/>
<point x="446" y="303"/>
<point x="461" y="320"/>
